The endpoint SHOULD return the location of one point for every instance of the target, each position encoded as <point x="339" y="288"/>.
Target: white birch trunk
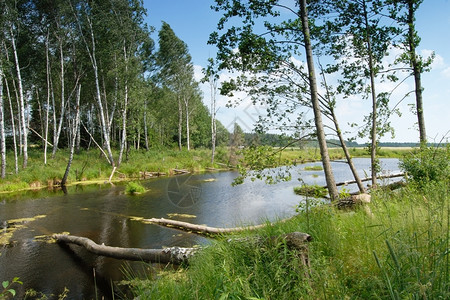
<point x="99" y="99"/>
<point x="145" y="125"/>
<point x="93" y="59"/>
<point x="2" y="126"/>
<point x="74" y="135"/>
<point x="180" y="121"/>
<point x="124" y="113"/>
<point x="213" y="83"/>
<point x="48" y="99"/>
<point x="57" y="132"/>
<point x="21" y="101"/>
<point x="373" y="133"/>
<point x="329" y="176"/>
<point x="13" y="126"/>
<point x="186" y="103"/>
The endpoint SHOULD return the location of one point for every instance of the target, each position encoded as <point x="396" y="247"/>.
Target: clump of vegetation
<point x="8" y="289"/>
<point x="313" y="168"/>
<point x="315" y="191"/>
<point x="134" y="188"/>
<point x="427" y="165"/>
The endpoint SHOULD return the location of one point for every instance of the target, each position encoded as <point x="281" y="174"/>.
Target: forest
<point x="80" y="74"/>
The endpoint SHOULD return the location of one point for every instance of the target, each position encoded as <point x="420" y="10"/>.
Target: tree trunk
<point x="145" y="125"/>
<point x="330" y="107"/>
<point x="373" y="133"/>
<point x="346" y="153"/>
<point x="175" y="255"/>
<point x="92" y="56"/>
<point x="74" y="135"/>
<point x="21" y="101"/>
<point x="200" y="229"/>
<point x="13" y="128"/>
<point x="124" y="113"/>
<point x="186" y="104"/>
<point x="48" y="97"/>
<point x="332" y="189"/>
<point x="213" y="84"/>
<point x="180" y="121"/>
<point x="417" y="73"/>
<point x="2" y="126"/>
<point x="57" y="133"/>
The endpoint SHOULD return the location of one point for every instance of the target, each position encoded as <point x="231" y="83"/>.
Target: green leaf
<point x="13" y="292"/>
<point x="5" y="284"/>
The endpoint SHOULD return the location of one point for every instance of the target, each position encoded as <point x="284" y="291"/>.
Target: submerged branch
<point x="370" y="178"/>
<point x="201" y="229"/>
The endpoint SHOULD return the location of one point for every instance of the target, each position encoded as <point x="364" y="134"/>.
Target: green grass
<point x="399" y="251"/>
<point x="133" y="188"/>
<point x="313" y="168"/>
<point x="90" y="166"/>
<point x="315" y="191"/>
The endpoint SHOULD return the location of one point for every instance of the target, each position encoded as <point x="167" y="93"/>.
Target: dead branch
<point x="201" y="229"/>
<point x="175" y="255"/>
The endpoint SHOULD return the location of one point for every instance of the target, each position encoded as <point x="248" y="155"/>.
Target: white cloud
<point x="446" y="72"/>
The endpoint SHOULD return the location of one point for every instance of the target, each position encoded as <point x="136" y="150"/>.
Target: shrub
<point x="315" y="191"/>
<point x="134" y="188"/>
<point x="427" y="165"/>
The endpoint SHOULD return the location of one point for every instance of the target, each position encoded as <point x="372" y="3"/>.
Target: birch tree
<point x="404" y="13"/>
<point x="176" y="71"/>
<point x="2" y="125"/>
<point x="12" y="29"/>
<point x="354" y="34"/>
<point x="212" y="77"/>
<point x="90" y="43"/>
<point x="266" y="45"/>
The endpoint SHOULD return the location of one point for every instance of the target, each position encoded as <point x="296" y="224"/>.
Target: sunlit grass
<point x="398" y="251"/>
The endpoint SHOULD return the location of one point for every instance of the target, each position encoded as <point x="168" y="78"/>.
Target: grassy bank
<point x="396" y="247"/>
<point x="313" y="154"/>
<point x="399" y="252"/>
<point x="92" y="167"/>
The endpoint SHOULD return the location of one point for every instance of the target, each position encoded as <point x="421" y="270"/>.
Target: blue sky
<point x="193" y="21"/>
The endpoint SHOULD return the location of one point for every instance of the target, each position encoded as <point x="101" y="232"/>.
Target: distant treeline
<point x="276" y="140"/>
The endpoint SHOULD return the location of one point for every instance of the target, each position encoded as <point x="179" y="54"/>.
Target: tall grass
<point x="399" y="251"/>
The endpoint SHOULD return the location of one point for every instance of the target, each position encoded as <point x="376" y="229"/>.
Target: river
<point x="106" y="215"/>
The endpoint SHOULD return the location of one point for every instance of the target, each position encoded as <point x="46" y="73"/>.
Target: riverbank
<point x="90" y="167"/>
<point x="396" y="247"/>
<point x="400" y="250"/>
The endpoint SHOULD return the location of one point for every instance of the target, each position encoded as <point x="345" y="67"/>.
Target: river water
<point x="106" y="215"/>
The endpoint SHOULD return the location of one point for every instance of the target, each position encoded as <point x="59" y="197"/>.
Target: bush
<point x="134" y="188"/>
<point x="315" y="191"/>
<point x="427" y="165"/>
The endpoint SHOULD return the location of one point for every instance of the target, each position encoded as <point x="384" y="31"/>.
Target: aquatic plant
<point x="315" y="191"/>
<point x="134" y="188"/>
<point x="8" y="288"/>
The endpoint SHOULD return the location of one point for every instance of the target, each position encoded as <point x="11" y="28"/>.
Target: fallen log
<point x="147" y="174"/>
<point x="202" y="229"/>
<point x="175" y="255"/>
<point x="370" y="178"/>
<point x="181" y="171"/>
